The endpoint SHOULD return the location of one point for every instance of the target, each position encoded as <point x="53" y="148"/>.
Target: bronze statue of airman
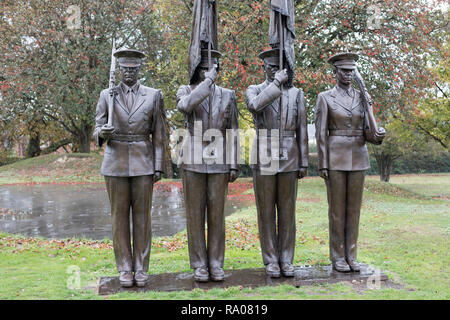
<point x="133" y="162"/>
<point x="207" y="171"/>
<point x="344" y="122"/>
<point x="275" y="181"/>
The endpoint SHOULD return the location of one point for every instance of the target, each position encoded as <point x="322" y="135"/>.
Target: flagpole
<point x="209" y="62"/>
<point x="280" y="116"/>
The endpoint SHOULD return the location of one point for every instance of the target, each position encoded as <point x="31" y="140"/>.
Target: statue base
<point x="249" y="278"/>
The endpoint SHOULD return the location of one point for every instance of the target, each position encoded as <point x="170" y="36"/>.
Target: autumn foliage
<point x="53" y="69"/>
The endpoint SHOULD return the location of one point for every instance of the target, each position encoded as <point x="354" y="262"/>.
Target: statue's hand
<point x="212" y="74"/>
<point x="234" y="174"/>
<point x="106" y="132"/>
<point x="114" y="91"/>
<point x="281" y="76"/>
<point x="158" y="176"/>
<point x="302" y="173"/>
<point x="323" y="173"/>
<point x="380" y="134"/>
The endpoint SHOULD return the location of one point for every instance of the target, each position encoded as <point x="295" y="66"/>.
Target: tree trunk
<point x="385" y="163"/>
<point x="168" y="160"/>
<point x="34" y="145"/>
<point x="55" y="146"/>
<point x="84" y="139"/>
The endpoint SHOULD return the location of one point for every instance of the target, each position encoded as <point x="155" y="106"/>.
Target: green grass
<point x="404" y="231"/>
<point x="437" y="186"/>
<point x="54" y="168"/>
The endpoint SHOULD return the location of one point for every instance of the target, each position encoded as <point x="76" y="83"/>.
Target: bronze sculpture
<point x="276" y="192"/>
<point x="344" y="121"/>
<point x="206" y="171"/>
<point x="132" y="163"/>
<point x="279" y="113"/>
<point x="205" y="183"/>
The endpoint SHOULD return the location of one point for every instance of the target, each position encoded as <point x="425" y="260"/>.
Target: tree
<point x="400" y="141"/>
<point x="61" y="70"/>
<point x="433" y="119"/>
<point x="395" y="39"/>
<point x="61" y="54"/>
<point x="432" y="116"/>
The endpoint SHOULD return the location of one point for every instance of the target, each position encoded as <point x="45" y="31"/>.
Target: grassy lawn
<point x="54" y="168"/>
<point x="404" y="231"/>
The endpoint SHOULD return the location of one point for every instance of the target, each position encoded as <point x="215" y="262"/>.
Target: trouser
<point x="133" y="193"/>
<point x="205" y="195"/>
<point x="278" y="192"/>
<point x="344" y="191"/>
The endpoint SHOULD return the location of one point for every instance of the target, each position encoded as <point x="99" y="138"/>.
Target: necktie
<point x="349" y="93"/>
<point x="130" y="100"/>
<point x="277" y="115"/>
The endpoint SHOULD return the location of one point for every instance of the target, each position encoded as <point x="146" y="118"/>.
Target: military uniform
<point x="130" y="162"/>
<point x="342" y="131"/>
<point x="276" y="185"/>
<point x="205" y="179"/>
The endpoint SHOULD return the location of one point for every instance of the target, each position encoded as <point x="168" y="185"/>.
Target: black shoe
<point x="341" y="266"/>
<point x="216" y="274"/>
<point x="273" y="270"/>
<point x="287" y="269"/>
<point x="126" y="279"/>
<point x="141" y="278"/>
<point x="201" y="274"/>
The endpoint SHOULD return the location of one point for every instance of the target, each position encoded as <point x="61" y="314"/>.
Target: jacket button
<point x="129" y="121"/>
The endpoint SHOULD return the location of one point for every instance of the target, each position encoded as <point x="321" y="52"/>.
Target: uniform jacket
<point x="146" y="118"/>
<point x="346" y="150"/>
<point x="263" y="103"/>
<point x="194" y="104"/>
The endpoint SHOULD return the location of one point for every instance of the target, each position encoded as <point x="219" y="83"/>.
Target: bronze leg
<point x="141" y="203"/>
<point x="119" y="197"/>
<point x="336" y="184"/>
<point x="194" y="188"/>
<point x="355" y="187"/>
<point x="265" y="195"/>
<point x="286" y="198"/>
<point x="217" y="186"/>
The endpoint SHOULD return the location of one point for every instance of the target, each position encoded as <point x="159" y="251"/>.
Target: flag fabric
<point x="286" y="9"/>
<point x="204" y="31"/>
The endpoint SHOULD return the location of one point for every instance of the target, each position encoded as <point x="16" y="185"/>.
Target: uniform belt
<point x="286" y="133"/>
<point x="347" y="133"/>
<point x="130" y="137"/>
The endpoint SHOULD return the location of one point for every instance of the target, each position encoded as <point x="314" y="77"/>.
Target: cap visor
<point x="129" y="65"/>
<point x="347" y="66"/>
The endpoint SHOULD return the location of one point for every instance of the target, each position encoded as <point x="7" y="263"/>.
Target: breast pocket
<point x="292" y="117"/>
<point x="147" y="118"/>
<point x="333" y="105"/>
<point x="146" y="114"/>
<point x="224" y="117"/>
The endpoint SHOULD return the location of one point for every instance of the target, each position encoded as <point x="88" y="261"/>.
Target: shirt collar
<point x="134" y="88"/>
<point x="350" y="92"/>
